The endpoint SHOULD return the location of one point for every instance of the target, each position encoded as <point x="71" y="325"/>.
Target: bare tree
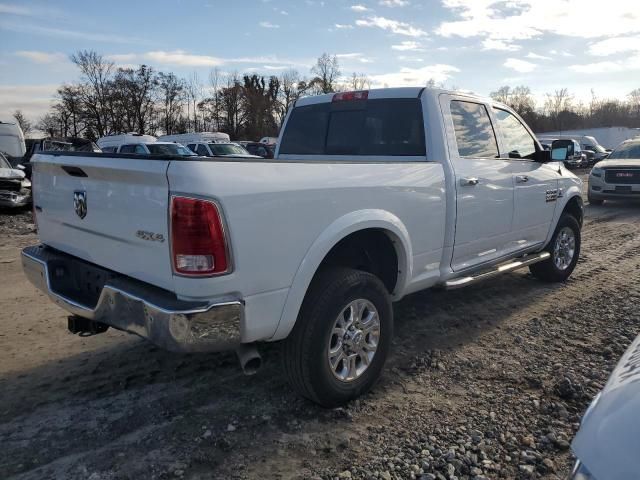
<point x="23" y="123"/>
<point x="556" y="103"/>
<point x="360" y="81"/>
<point x="194" y="94"/>
<point x="327" y="71"/>
<point x="171" y="97"/>
<point x="97" y="72"/>
<point x="634" y="100"/>
<point x="289" y="93"/>
<point x="503" y="94"/>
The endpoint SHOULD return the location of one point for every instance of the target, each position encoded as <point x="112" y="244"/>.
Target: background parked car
<point x="261" y="149"/>
<point x="196" y="137"/>
<point x="62" y="144"/>
<point x="618" y="176"/>
<point x="111" y="143"/>
<point x="156" y="148"/>
<point x="15" y="188"/>
<point x="219" y="150"/>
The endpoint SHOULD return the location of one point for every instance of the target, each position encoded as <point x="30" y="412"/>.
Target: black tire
<point x="548" y="271"/>
<point x="305" y="350"/>
<point x="594" y="201"/>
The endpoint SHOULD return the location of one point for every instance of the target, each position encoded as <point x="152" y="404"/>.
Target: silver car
<point x="618" y="176"/>
<point x="607" y="443"/>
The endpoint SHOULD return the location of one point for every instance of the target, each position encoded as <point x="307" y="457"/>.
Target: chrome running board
<point x="499" y="270"/>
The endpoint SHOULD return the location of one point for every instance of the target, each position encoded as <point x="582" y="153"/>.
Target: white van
<point x="269" y="140"/>
<point x="111" y="143"/>
<point x="12" y="140"/>
<point x="197" y="137"/>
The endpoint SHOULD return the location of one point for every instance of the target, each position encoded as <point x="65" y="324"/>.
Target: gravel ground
<point x="485" y="382"/>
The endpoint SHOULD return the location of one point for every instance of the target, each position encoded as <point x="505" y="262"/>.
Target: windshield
<point x="227" y="149"/>
<point x="626" y="150"/>
<point x="169" y="149"/>
<point x="4" y="163"/>
<point x="597" y="148"/>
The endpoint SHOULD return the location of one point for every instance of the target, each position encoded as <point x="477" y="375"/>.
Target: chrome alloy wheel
<point x="564" y="248"/>
<point x="354" y="340"/>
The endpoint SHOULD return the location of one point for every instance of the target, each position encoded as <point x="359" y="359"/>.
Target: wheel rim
<point x="564" y="248"/>
<point x="354" y="340"/>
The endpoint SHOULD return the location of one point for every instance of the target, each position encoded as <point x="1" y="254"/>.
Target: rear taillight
<point x="351" y="96"/>
<point x="198" y="243"/>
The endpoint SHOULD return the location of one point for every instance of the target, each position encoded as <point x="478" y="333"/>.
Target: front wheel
<point x="564" y="248"/>
<point x="342" y="337"/>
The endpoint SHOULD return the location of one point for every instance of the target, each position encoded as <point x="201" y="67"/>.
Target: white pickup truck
<point x="372" y="195"/>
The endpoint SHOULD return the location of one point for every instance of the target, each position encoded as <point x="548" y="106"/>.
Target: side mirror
<point x="543" y="156"/>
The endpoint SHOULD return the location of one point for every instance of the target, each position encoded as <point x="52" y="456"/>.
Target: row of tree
<point x="560" y="111"/>
<point x="108" y="100"/>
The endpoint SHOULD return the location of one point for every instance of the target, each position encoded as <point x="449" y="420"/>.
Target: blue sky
<point x="475" y="45"/>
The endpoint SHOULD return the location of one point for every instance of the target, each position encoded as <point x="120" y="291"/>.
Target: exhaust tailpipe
<point x="250" y="359"/>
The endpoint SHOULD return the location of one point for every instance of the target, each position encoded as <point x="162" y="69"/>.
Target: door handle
<point x="469" y="182"/>
<point x="522" y="179"/>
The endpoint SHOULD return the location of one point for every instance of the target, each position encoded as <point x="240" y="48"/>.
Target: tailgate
<point x="125" y="224"/>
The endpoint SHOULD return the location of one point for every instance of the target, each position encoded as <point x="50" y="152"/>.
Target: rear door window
<point x="474" y="133"/>
<point x="382" y="127"/>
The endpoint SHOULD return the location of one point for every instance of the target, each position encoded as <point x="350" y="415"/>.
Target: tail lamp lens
<point x="197" y="237"/>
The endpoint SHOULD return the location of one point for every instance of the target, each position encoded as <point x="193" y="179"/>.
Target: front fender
<point x="334" y="233"/>
<point x="569" y="193"/>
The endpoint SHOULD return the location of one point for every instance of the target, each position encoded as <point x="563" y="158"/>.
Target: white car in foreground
<point x="607" y="444"/>
<point x="372" y="195"/>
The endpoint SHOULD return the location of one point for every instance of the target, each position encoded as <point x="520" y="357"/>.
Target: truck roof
<point x="398" y="92"/>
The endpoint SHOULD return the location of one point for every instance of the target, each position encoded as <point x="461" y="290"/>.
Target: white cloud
<point x="33" y="100"/>
<point x="524" y="19"/>
<point x="14" y="9"/>
<point x="414" y="76"/>
<point x="42" y="57"/>
<point x="268" y="25"/>
<point x="341" y="26"/>
<point x="493" y="44"/>
<point x="611" y="46"/>
<point x="608" y="67"/>
<point x="354" y="56"/>
<point x="359" y="8"/>
<point x="394" y="26"/>
<point x="520" y="65"/>
<point x="24" y="28"/>
<point x="408" y="45"/>
<point x="181" y="58"/>
<point x="535" y="56"/>
<point x="393" y="3"/>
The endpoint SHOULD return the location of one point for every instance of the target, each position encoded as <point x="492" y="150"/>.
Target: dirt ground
<point x="485" y="382"/>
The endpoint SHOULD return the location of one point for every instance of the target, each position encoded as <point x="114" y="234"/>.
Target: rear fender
<point x="339" y="229"/>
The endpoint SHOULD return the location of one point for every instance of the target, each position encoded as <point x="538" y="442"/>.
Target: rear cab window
<point x="389" y="127"/>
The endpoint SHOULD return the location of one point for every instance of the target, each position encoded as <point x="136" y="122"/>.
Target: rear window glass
<point x="384" y="127"/>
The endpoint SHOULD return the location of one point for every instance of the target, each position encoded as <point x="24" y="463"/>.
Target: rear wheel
<point x="342" y="337"/>
<point x="564" y="248"/>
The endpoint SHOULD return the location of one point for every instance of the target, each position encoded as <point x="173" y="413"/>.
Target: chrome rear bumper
<point x="133" y="306"/>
